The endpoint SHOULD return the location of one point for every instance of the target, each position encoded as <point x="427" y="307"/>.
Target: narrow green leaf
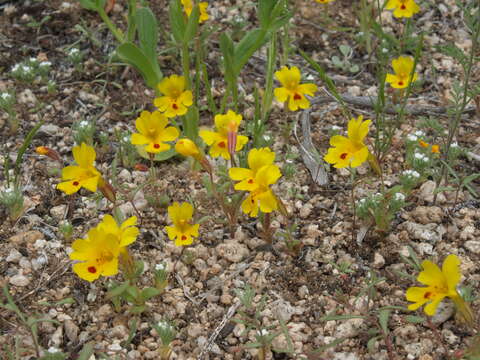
<point x="23" y="148"/>
<point x="86" y="352"/>
<point x="88" y="4"/>
<point x="470" y="178"/>
<point x="137" y="309"/>
<point x="149" y="292"/>
<point x="132" y="55"/>
<point x="371" y="343"/>
<point x="177" y="20"/>
<point x="148" y="35"/>
<point x="383" y="316"/>
<point x="192" y="25"/>
<point x="117" y="291"/>
<point x="250" y="43"/>
<point x="341" y="317"/>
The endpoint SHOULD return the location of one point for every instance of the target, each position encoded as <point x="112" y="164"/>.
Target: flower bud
<point x="107" y="190"/>
<point x="187" y="147"/>
<point x="141" y="167"/>
<point x="52" y="154"/>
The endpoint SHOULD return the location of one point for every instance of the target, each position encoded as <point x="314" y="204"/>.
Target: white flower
<point x="336" y="128"/>
<point x="160" y="267"/>
<point x="399" y="196"/>
<point x="126" y="139"/>
<point x="164" y="325"/>
<point x="412" y="138"/>
<point x="32" y="60"/>
<point x="45" y="63"/>
<point x="385" y="50"/>
<point x="83" y="123"/>
<point x="360" y="33"/>
<point x="8" y="191"/>
<point x="26" y="68"/>
<point x="73" y="51"/>
<point x="263" y="332"/>
<point x="53" y="350"/>
<point x="419" y="133"/>
<point x="454" y="145"/>
<point x="420" y="156"/>
<point x="15" y="67"/>
<point x="411" y="173"/>
<point x="6" y="96"/>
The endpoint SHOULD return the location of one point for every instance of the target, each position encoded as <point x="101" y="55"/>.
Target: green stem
<point x="132" y="11"/>
<point x="186" y="64"/>
<point x="113" y="29"/>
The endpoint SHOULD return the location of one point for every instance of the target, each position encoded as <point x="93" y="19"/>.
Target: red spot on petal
<point x="156" y="146"/>
<point x="222" y="144"/>
<point x="175" y="106"/>
<point x="92" y="269"/>
<point x="400" y="83"/>
<point x="297" y="96"/>
<point x="427" y="295"/>
<point x="184" y="237"/>
<point x="75" y="183"/>
<point x="343" y="156"/>
<point x="403" y="7"/>
<point x="250" y="181"/>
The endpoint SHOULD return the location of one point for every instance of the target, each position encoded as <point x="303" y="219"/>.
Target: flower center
<point x="297" y="96"/>
<point x="175" y="106"/>
<point x="343" y="156"/>
<point x="184" y="237"/>
<point x="400" y="83"/>
<point x="92" y="269"/>
<point x="156" y="146"/>
<point x="250" y="181"/>
<point x="105" y="256"/>
<point x="221" y="144"/>
<point x="75" y="183"/>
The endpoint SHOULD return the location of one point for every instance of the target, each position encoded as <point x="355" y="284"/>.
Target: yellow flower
<point x="403" y="67"/>
<point x="153" y="132"/>
<point x="182" y="230"/>
<point x="292" y="90"/>
<point x="46" y="151"/>
<point x="423" y="144"/>
<point x="349" y="151"/>
<point x="202" y="6"/>
<point x="225" y="140"/>
<point x="126" y="233"/>
<point x="403" y="8"/>
<point x="98" y="254"/>
<point x="440" y="284"/>
<point x="435" y="149"/>
<point x="176" y="99"/>
<point x="82" y="175"/>
<point x="261" y="174"/>
<point x="323" y="1"/>
<point x="187" y="147"/>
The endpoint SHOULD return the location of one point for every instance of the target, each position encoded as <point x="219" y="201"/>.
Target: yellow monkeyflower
<point x="126" y="233"/>
<point x="349" y="151"/>
<point x="403" y="67"/>
<point x="403" y="8"/>
<point x="292" y="90"/>
<point x="98" y="255"/>
<point x="182" y="231"/>
<point x="440" y="284"/>
<point x="82" y="175"/>
<point x="436" y="149"/>
<point x="262" y="173"/>
<point x="323" y="1"/>
<point x="202" y="6"/>
<point x="176" y="99"/>
<point x="187" y="147"/>
<point x="153" y="132"/>
<point x="225" y="140"/>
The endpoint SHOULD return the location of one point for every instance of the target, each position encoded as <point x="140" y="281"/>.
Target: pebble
<point x="467" y="233"/>
<point x="445" y="311"/>
<point x="378" y="261"/>
<point x="19" y="280"/>
<point x="306" y="210"/>
<point x="473" y="246"/>
<point x="428" y="214"/>
<point x="71" y="330"/>
<point x="14" y="256"/>
<point x="426" y="192"/>
<point x="232" y="251"/>
<point x="28" y="237"/>
<point x="431" y="233"/>
<point x="27" y="97"/>
<point x="58" y="212"/>
<point x="349" y="328"/>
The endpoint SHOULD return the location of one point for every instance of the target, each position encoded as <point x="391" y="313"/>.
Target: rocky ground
<point x="330" y="274"/>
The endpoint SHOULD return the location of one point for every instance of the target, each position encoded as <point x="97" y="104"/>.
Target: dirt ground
<point x="328" y="276"/>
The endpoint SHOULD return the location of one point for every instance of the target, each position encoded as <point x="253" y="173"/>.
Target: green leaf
<point x="117" y="291"/>
<point x="227" y="49"/>
<point x="149" y="292"/>
<point x="414" y="319"/>
<point x="137" y="309"/>
<point x="265" y="8"/>
<point x="132" y="55"/>
<point x="162" y="156"/>
<point x="345" y="50"/>
<point x="192" y="25"/>
<point x="250" y="43"/>
<point x="383" y="316"/>
<point x="65" y="301"/>
<point x="253" y="345"/>
<point x="371" y="343"/>
<point x="88" y="4"/>
<point x="23" y="148"/>
<point x="54" y="356"/>
<point x="190" y="123"/>
<point x="341" y="317"/>
<point x="177" y="20"/>
<point x="86" y="352"/>
<point x="470" y="178"/>
<point x="148" y="35"/>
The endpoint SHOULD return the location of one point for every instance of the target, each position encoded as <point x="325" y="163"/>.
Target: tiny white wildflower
<point x="336" y="128"/>
<point x="164" y="325"/>
<point x="160" y="267"/>
<point x="419" y="133"/>
<point x="399" y="196"/>
<point x="8" y="190"/>
<point x="73" y="51"/>
<point x="6" y="96"/>
<point x="33" y="60"/>
<point x="454" y="145"/>
<point x="385" y="50"/>
<point x="45" y="63"/>
<point x="360" y="33"/>
<point x="263" y="332"/>
<point x="83" y="123"/>
<point x="26" y="68"/>
<point x="15" y="67"/>
<point x="266" y="137"/>
<point x="53" y="350"/>
<point x="126" y="139"/>
<point x="420" y="156"/>
<point x="412" y="137"/>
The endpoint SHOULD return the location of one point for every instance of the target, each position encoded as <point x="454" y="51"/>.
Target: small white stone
<point x="14" y="256"/>
<point x="19" y="280"/>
